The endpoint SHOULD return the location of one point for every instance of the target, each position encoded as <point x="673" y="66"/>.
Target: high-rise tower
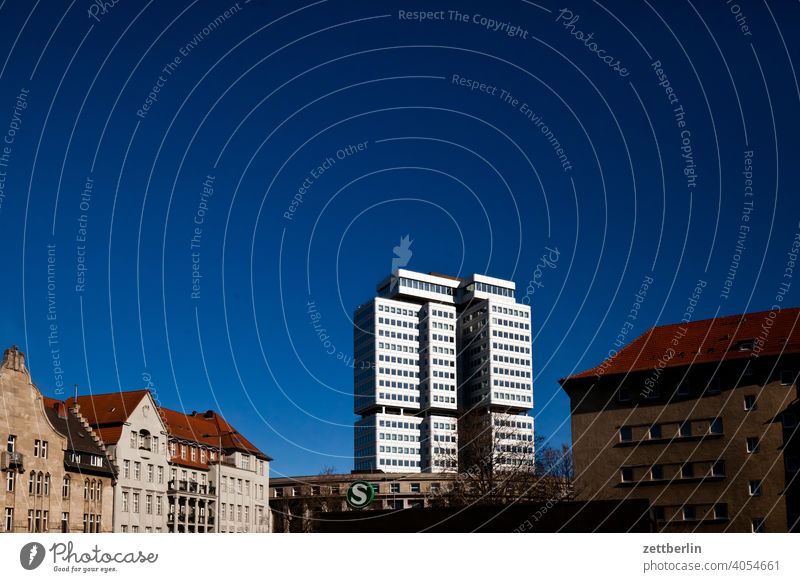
<point x="432" y="349"/>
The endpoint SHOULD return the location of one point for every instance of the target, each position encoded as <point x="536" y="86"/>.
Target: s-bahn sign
<point x="359" y="494"/>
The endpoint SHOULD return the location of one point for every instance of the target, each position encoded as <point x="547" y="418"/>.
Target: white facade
<point x="140" y="494"/>
<point x="243" y="484"/>
<point x="430" y="347"/>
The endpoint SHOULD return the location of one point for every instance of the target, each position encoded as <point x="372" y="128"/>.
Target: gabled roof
<point x="79" y="439"/>
<point x="204" y="428"/>
<point x="107" y="413"/>
<point x="707" y="341"/>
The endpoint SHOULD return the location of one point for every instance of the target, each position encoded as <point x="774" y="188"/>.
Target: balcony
<point x="12" y="460"/>
<point x="191" y="487"/>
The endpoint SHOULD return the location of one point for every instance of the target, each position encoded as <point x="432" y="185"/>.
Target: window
<point x="745" y="345"/>
<point x="713" y="386"/>
<point x="721" y="511"/>
<point x="135" y="505"/>
<point x="656" y="472"/>
<point x="159" y="505"/>
<point x="624" y="395"/>
<point x="718" y="469"/>
<point x="150" y="472"/>
<point x="9" y="519"/>
<point x="715" y="426"/>
<point x="137" y="470"/>
<point x="625" y="434"/>
<point x="655" y="431"/>
<point x="148" y="504"/>
<point x="194" y="453"/>
<point x="752" y="444"/>
<point x="183" y="451"/>
<point x="787" y="378"/>
<point x="202" y="456"/>
<point x="686" y="428"/>
<point x="757" y="525"/>
<point x="689" y="513"/>
<point x="126" y="469"/>
<point x="754" y="488"/>
<point x="687" y="471"/>
<point x="47" y="485"/>
<point x="749" y="402"/>
<point x="124" y="501"/>
<point x="134" y="440"/>
<point x="415" y="488"/>
<point x="65" y="522"/>
<point x="626" y="474"/>
<point x="395" y="487"/>
<point x="161" y="475"/>
<point x="11" y="444"/>
<point x="789" y="420"/>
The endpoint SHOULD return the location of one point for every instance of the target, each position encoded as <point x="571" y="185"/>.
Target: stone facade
<point x="55" y="474"/>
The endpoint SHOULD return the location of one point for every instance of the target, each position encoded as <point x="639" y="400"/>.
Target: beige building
<point x="295" y="500"/>
<point x="55" y="474"/>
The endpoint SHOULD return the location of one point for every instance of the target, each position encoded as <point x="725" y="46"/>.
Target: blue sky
<point x="226" y="135"/>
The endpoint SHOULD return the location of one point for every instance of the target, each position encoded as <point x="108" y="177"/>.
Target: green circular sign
<point x="359" y="494"/>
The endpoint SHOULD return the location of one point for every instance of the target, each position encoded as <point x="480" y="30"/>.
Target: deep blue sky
<point x="278" y="87"/>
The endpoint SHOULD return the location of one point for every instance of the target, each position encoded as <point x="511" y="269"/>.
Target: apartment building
<point x="431" y="348"/>
<point x="56" y="476"/>
<point x="135" y="436"/>
<point x="219" y="480"/>
<point x="699" y="418"/>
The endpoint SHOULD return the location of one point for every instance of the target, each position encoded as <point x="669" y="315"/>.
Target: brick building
<point x="699" y="418"/>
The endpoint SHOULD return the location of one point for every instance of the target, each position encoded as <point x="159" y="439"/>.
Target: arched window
<point x="47" y="484"/>
<point x="31" y="481"/>
<point x="99" y="490"/>
<point x="144" y="439"/>
<point x="39" y="479"/>
<point x="86" y="489"/>
<point x="65" y="487"/>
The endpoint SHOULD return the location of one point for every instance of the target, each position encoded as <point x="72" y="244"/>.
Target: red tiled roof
<point x="705" y="341"/>
<point x="204" y="428"/>
<point x="108" y="412"/>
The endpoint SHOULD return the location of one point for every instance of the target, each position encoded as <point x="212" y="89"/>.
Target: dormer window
<point x="745" y="345"/>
